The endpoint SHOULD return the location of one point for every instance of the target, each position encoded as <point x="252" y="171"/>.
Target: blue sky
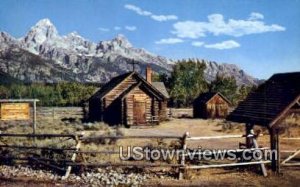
<point x="262" y="37"/>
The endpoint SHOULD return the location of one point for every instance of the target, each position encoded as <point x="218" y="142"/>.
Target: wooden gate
<point x="293" y="157"/>
<point x="139" y="112"/>
<point x="261" y="162"/>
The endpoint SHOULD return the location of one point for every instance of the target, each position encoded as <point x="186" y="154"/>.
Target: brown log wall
<point x="140" y="95"/>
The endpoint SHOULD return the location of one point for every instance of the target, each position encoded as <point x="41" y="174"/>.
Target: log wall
<point x="118" y="90"/>
<point x="137" y="95"/>
<point x="216" y="107"/>
<point x="118" y="104"/>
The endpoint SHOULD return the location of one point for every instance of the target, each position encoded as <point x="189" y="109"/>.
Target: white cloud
<point x="229" y="44"/>
<point x="137" y="10"/>
<point x="103" y="29"/>
<point x="197" y="44"/>
<point x="188" y="29"/>
<point x="216" y="25"/>
<point x="256" y="16"/>
<point x="169" y="41"/>
<point x="164" y="17"/>
<point x="155" y="17"/>
<point x="117" y="28"/>
<point x="130" y="28"/>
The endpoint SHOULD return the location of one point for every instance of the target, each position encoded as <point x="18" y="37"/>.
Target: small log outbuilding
<point x="211" y="105"/>
<point x="129" y="99"/>
<point x="268" y="105"/>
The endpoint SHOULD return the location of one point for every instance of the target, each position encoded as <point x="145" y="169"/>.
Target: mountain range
<point x="43" y="55"/>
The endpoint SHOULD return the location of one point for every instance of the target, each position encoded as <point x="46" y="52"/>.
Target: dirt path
<point x="196" y="127"/>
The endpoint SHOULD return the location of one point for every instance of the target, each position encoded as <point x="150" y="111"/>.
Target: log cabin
<point x="129" y="99"/>
<point x="210" y="105"/>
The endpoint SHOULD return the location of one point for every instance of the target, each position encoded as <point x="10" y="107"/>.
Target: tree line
<point x="187" y="81"/>
<point x="59" y="94"/>
<point x="184" y="84"/>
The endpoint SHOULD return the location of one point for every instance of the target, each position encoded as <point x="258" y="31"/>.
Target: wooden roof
<point x="161" y="87"/>
<point x="207" y="96"/>
<point x="111" y="85"/>
<point x="270" y="101"/>
<point x="119" y="79"/>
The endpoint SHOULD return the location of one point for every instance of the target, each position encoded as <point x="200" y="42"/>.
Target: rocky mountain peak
<point x="74" y="38"/>
<point x="44" y="22"/>
<point x="44" y="55"/>
<point x="74" y="34"/>
<point x="224" y="69"/>
<point x="5" y="37"/>
<point x="122" y="41"/>
<point x="43" y="31"/>
<point x="119" y="43"/>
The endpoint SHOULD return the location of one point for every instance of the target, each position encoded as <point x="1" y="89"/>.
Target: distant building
<point x="129" y="99"/>
<point x="211" y="105"/>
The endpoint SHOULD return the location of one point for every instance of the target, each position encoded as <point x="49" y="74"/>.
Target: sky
<point x="260" y="36"/>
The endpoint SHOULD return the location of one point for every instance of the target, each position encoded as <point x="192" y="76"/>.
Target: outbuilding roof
<point x="270" y="101"/>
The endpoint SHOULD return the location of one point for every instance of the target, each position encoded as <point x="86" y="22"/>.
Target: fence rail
<point x="40" y="135"/>
<point x="293" y="154"/>
<point x="182" y="165"/>
<point x="131" y="137"/>
<point x="228" y="165"/>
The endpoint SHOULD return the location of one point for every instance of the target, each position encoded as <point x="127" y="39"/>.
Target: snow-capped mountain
<point x="44" y="55"/>
<point x="6" y="40"/>
<point x="85" y="60"/>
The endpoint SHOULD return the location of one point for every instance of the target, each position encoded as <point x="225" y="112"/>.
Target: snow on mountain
<point x="6" y="40"/>
<point x="43" y="32"/>
<point x="83" y="60"/>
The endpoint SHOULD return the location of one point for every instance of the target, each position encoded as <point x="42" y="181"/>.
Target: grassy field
<point x="67" y="122"/>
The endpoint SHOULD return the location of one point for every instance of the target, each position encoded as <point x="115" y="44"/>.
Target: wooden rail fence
<point x="252" y="136"/>
<point x="293" y="154"/>
<point x="182" y="166"/>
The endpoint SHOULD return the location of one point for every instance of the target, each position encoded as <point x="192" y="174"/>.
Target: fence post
<point x="262" y="165"/>
<point x="249" y="140"/>
<point x="182" y="161"/>
<point x="273" y="141"/>
<point x="34" y="117"/>
<point x="278" y="151"/>
<point x="73" y="158"/>
<point x="53" y="115"/>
